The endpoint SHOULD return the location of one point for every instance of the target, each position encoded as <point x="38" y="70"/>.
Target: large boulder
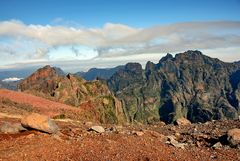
<point x="39" y="122"/>
<point x="7" y="127"/>
<point x="234" y="137"/>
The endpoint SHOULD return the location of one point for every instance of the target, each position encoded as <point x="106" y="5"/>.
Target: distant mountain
<point x="189" y="85"/>
<point x="9" y="79"/>
<point x="21" y="73"/>
<point x="11" y="85"/>
<point x="104" y="73"/>
<point x="9" y="74"/>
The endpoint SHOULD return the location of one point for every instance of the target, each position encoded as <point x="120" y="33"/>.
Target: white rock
<point x="98" y="129"/>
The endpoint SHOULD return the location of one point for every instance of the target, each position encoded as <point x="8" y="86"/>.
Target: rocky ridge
<point x="92" y="96"/>
<point x="189" y="85"/>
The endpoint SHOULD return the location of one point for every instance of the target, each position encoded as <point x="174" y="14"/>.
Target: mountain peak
<point x="134" y="67"/>
<point x="190" y="54"/>
<point x="165" y="58"/>
<point x="41" y="75"/>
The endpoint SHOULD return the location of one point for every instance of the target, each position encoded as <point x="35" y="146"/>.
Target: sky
<point x="79" y="34"/>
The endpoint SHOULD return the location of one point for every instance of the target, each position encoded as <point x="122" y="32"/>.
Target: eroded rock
<point x="39" y="122"/>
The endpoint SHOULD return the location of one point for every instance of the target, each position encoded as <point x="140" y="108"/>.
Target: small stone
<point x="98" y="129"/>
<point x="138" y="133"/>
<point x="218" y="145"/>
<point x="175" y="143"/>
<point x="182" y="122"/>
<point x="30" y="136"/>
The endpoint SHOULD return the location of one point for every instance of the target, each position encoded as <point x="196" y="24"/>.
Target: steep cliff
<point x="189" y="85"/>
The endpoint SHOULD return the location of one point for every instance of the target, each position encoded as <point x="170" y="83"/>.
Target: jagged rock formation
<point x="189" y="85"/>
<point x="92" y="96"/>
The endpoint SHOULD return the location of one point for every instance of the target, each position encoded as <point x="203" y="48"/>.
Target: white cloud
<point x="116" y="41"/>
<point x="12" y="79"/>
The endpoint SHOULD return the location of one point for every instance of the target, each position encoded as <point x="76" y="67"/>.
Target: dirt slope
<point x="32" y="103"/>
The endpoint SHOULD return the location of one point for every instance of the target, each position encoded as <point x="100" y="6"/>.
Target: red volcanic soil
<point x="127" y="142"/>
<point x="38" y="104"/>
<point x="76" y="143"/>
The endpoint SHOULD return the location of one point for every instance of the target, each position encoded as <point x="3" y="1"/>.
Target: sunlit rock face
<point x="93" y="97"/>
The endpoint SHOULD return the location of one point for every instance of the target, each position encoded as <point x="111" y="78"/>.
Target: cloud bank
<point x="21" y="42"/>
<point x="11" y="79"/>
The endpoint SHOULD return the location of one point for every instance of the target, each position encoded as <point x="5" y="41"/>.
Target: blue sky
<point x="136" y="13"/>
<point x="105" y="33"/>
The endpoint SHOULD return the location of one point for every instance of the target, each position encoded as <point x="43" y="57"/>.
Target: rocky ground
<point x="75" y="141"/>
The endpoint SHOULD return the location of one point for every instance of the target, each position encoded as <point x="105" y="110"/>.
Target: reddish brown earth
<point x="75" y="142"/>
<point x="34" y="103"/>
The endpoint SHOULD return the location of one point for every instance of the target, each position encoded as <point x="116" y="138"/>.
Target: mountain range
<point x="189" y="85"/>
